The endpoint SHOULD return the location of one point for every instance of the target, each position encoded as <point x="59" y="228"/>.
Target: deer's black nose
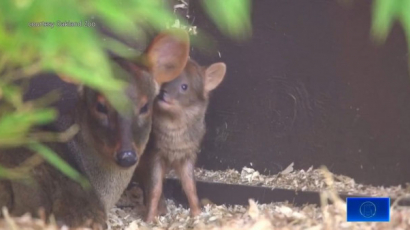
<point x="126" y="158"/>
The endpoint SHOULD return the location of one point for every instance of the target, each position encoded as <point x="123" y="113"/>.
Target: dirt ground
<point x="254" y="216"/>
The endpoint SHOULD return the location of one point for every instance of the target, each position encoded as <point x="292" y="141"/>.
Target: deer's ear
<point x="68" y="79"/>
<point x="80" y="86"/>
<point x="168" y="54"/>
<point x="214" y="75"/>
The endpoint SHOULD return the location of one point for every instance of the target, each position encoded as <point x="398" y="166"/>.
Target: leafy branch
<point x="77" y="53"/>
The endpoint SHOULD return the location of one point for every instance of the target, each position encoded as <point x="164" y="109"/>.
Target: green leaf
<point x="12" y="94"/>
<point x="7" y="173"/>
<point x="22" y="171"/>
<point x="232" y="17"/>
<point x="51" y="157"/>
<point x="405" y="20"/>
<point x="384" y="14"/>
<point x="17" y="124"/>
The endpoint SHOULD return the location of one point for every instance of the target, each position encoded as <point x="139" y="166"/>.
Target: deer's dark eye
<point x="101" y="108"/>
<point x="144" y="109"/>
<point x="184" y="87"/>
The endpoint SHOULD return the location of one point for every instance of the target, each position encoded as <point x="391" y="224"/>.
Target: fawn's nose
<point x="161" y="95"/>
<point x="126" y="158"/>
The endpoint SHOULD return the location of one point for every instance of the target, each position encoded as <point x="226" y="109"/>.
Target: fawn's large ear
<point x="214" y="75"/>
<point x="168" y="54"/>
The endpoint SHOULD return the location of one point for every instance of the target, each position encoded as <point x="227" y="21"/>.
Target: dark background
<point x="311" y="88"/>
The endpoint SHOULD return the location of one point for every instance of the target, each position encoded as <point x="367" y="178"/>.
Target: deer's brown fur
<point x="108" y="146"/>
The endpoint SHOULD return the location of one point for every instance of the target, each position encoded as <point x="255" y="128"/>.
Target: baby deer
<point x="177" y="132"/>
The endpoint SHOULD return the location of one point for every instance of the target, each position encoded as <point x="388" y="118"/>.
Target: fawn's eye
<point x="101" y="108"/>
<point x="184" y="87"/>
<point x="144" y="108"/>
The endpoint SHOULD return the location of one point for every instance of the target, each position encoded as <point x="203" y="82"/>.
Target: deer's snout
<point x="162" y="95"/>
<point x="126" y="158"/>
<point x="125" y="155"/>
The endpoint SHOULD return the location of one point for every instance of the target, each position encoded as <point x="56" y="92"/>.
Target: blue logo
<point x="368" y="209"/>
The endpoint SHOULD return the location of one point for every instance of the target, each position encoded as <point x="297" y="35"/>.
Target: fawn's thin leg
<point x="162" y="206"/>
<point x="154" y="189"/>
<point x="186" y="174"/>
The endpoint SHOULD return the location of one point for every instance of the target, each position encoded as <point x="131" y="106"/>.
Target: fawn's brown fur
<point x="107" y="148"/>
<point x="177" y="133"/>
